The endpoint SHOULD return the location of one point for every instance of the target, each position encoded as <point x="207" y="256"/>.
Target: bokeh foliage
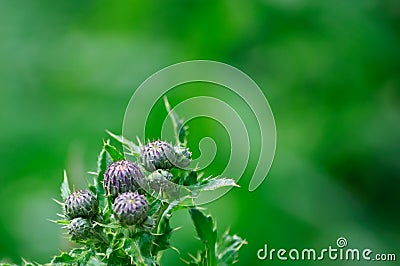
<point x="330" y="70"/>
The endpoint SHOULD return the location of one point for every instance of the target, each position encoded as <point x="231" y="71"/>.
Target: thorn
<point x="58" y="202"/>
<point x="177" y="228"/>
<point x="193" y="257"/>
<point x="138" y="140"/>
<point x="175" y="249"/>
<point x="185" y="261"/>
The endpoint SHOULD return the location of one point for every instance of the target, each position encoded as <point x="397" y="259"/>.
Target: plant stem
<point x="160" y="214"/>
<point x="211" y="258"/>
<point x="157" y="230"/>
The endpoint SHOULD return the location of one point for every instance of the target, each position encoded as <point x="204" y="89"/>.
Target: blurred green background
<point x="330" y="70"/>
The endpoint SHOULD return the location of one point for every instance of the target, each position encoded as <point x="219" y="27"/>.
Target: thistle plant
<point x="123" y="217"/>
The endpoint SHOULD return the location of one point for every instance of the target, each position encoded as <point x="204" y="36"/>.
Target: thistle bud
<point x="160" y="185"/>
<point x="122" y="176"/>
<point x="79" y="228"/>
<point x="184" y="156"/>
<point x="159" y="177"/>
<point x="162" y="155"/>
<point x="81" y="203"/>
<point x="130" y="208"/>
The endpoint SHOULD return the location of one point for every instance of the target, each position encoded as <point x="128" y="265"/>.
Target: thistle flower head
<point x="130" y="208"/>
<point x="162" y="155"/>
<point x="81" y="203"/>
<point x="79" y="228"/>
<point x="122" y="176"/>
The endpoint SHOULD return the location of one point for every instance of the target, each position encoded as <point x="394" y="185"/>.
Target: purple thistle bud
<point x="122" y="176"/>
<point x="130" y="208"/>
<point x="81" y="203"/>
<point x="79" y="228"/>
<point x="162" y="155"/>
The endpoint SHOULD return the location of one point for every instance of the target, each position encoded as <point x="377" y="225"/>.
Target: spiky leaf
<point x="228" y="248"/>
<point x="145" y="243"/>
<point x="26" y="263"/>
<point x="180" y="131"/>
<point x="114" y="153"/>
<point x="161" y="239"/>
<point x="130" y="145"/>
<point x="102" y="163"/>
<point x="216" y="183"/>
<point x="65" y="191"/>
<point x="207" y="232"/>
<point x="64" y="258"/>
<point x="132" y="249"/>
<point x="190" y="179"/>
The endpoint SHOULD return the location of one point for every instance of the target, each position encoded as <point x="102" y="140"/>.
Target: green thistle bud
<point x="122" y="176"/>
<point x="81" y="203"/>
<point x="183" y="156"/>
<point x="79" y="228"/>
<point x="130" y="208"/>
<point x="158" y="180"/>
<point x="162" y="155"/>
<point x="159" y="184"/>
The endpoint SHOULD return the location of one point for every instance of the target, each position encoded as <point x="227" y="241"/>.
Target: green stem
<point x="157" y="230"/>
<point x="211" y="257"/>
<point x="160" y="215"/>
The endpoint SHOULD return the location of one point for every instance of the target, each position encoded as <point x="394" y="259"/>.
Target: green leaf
<point x="161" y="239"/>
<point x="228" y="248"/>
<point x="92" y="188"/>
<point x="103" y="161"/>
<point x="132" y="249"/>
<point x="154" y="206"/>
<point x="225" y="251"/>
<point x="204" y="226"/>
<point x="190" y="179"/>
<point x="63" y="258"/>
<point x="115" y="154"/>
<point x="196" y="260"/>
<point x="207" y="232"/>
<point x="163" y="230"/>
<point x="93" y="261"/>
<point x="81" y="255"/>
<point x="216" y="183"/>
<point x="27" y="263"/>
<point x="6" y="263"/>
<point x="107" y="211"/>
<point x="65" y="191"/>
<point x="145" y="240"/>
<point x="130" y="145"/>
<point x="180" y="131"/>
